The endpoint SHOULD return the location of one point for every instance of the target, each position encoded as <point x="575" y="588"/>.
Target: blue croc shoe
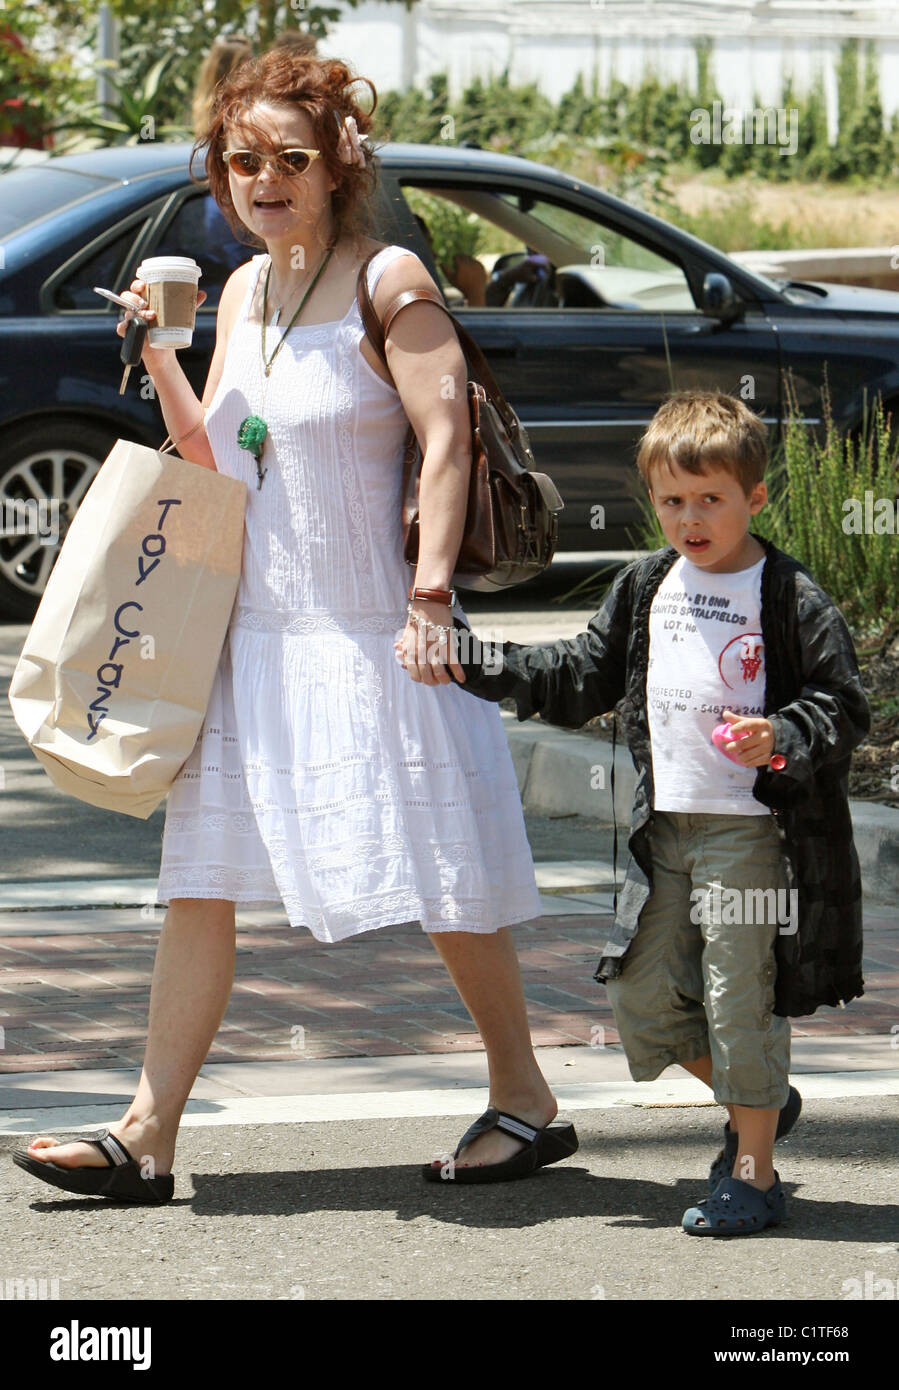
<point x="724" y="1164"/>
<point x="737" y="1209"/>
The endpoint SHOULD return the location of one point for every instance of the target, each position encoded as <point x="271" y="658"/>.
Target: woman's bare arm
<point x="430" y="375"/>
<point x="181" y="410"/>
<point x="429" y="372"/>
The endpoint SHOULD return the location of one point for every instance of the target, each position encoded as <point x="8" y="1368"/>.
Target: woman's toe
<point x="66" y="1155"/>
<point x="37" y="1146"/>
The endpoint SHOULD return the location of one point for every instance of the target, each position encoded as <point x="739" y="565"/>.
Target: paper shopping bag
<point x="115" y="675"/>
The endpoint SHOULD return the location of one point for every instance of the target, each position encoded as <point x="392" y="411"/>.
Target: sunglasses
<point x="291" y="163"/>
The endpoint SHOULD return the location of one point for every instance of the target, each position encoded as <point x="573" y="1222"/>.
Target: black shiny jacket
<point x="813" y="698"/>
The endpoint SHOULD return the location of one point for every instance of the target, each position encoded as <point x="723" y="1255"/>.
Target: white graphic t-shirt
<point x="706" y="655"/>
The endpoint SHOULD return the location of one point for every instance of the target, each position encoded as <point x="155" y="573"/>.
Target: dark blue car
<point x="587" y="308"/>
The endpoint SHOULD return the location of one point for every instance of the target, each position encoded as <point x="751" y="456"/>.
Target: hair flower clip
<point x="349" y="146"/>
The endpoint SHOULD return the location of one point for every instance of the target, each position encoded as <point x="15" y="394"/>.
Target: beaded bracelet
<point x="421" y="622"/>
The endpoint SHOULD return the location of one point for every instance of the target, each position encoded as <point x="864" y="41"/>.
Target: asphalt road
<point x="338" y="1211"/>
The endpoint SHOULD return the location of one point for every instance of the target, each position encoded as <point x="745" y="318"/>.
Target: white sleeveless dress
<point x="324" y="777"/>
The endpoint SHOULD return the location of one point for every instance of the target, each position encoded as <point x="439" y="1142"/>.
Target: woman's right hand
<point x="156" y="360"/>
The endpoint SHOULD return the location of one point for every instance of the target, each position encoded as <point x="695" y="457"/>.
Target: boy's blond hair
<point x="699" y="430"/>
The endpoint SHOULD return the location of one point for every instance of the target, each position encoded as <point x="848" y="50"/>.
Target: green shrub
<point x="816" y="484"/>
<point x="453" y="230"/>
<point x="654" y="118"/>
<point x="734" y="225"/>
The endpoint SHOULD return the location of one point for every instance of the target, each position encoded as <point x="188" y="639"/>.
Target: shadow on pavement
<point x="548" y="1196"/>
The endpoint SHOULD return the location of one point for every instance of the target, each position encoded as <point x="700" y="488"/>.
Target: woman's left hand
<point x="426" y="654"/>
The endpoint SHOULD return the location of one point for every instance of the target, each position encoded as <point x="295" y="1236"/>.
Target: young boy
<point x="742" y="899"/>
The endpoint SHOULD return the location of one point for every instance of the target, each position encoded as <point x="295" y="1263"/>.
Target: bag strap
<point x="475" y="359"/>
<point x="614" y="821"/>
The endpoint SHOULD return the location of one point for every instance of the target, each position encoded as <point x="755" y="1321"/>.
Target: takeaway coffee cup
<point x="171" y="289"/>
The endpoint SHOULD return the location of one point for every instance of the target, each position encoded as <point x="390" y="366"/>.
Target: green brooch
<point x="251" y="436"/>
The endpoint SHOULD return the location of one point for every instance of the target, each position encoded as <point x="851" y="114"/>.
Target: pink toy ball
<point x="722" y="735"/>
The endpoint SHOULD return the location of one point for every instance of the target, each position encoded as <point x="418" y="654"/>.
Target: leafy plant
<point x="33" y="79"/>
<point x="654" y="120"/>
<point x="53" y="91"/>
<point x="132" y="117"/>
<point x="416" y="115"/>
<point x="734" y="225"/>
<point x="452" y="230"/>
<point x="820" y="493"/>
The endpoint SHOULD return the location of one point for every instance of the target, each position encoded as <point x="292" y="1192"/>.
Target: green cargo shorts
<point x="698" y="978"/>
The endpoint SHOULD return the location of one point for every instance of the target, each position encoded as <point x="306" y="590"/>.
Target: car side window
<point x="506" y="248"/>
<point x="105" y="267"/>
<point x="199" y="229"/>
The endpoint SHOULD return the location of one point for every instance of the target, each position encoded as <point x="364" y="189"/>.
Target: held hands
<point x="757" y="745"/>
<point x="154" y="359"/>
<point x="426" y="653"/>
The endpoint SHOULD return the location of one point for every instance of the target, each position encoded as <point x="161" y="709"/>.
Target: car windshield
<point x="29" y="193"/>
<point x="579" y="238"/>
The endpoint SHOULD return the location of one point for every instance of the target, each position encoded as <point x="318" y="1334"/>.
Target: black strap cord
<point x="614" y="822"/>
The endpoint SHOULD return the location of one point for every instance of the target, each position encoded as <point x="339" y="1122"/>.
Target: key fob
<point x="133" y="342"/>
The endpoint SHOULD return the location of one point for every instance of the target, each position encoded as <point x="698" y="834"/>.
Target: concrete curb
<point x="562" y="772"/>
<point x="395" y="1105"/>
<point x="347" y="1088"/>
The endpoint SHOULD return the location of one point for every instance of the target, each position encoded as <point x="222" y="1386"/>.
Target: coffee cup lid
<point x="158" y="265"/>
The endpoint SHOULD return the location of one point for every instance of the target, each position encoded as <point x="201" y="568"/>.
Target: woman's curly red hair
<point x="323" y="87"/>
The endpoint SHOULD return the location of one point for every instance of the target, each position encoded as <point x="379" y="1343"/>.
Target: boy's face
<point x="705" y="516"/>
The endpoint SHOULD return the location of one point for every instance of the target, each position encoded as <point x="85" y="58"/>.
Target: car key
<point x="132" y="347"/>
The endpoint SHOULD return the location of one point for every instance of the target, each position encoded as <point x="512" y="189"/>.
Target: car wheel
<point x="44" y="473"/>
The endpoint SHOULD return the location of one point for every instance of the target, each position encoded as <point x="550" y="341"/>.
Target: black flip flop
<point x="555" y="1141"/>
<point x="121" y="1181"/>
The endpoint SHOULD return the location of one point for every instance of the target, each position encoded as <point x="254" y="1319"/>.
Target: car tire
<point x="41" y="463"/>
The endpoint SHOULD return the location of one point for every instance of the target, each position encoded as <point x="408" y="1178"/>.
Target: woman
<point x="222" y="58"/>
<point x="324" y="777"/>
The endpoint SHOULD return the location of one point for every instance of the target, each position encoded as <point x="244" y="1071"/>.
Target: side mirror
<point x="719" y="300"/>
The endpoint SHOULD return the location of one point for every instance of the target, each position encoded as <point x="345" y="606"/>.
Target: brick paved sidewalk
<point x="80" y="1001"/>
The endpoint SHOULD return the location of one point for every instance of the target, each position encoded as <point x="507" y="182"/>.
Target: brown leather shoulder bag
<point x="511" y="522"/>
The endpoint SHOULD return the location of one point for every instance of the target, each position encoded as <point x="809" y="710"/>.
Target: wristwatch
<point x="447" y="596"/>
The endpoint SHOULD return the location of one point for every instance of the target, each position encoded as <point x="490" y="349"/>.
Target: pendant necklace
<point x="253" y="430"/>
